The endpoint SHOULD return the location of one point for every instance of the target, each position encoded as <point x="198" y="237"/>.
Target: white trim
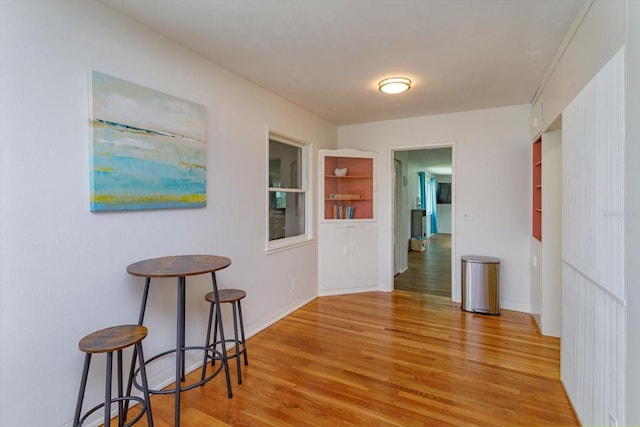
<point x="345" y="291"/>
<point x="306" y="188"/>
<point x="389" y="285"/>
<point x="275" y="246"/>
<point x="287" y="190"/>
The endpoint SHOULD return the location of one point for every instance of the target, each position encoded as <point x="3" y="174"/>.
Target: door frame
<point x="390" y="225"/>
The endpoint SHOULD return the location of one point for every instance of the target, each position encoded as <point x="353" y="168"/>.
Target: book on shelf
<point x="342" y="212"/>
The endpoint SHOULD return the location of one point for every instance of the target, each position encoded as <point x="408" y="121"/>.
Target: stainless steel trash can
<point x="480" y="284"/>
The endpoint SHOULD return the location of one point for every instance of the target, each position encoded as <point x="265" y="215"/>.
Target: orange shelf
<point x="536" y="217"/>
<point x="358" y="182"/>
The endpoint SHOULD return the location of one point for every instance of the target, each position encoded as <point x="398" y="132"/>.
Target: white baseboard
<point x="345" y="291"/>
<point x="514" y="306"/>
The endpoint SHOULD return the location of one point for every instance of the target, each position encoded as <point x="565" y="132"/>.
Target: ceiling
<point x="436" y="161"/>
<point x="328" y="55"/>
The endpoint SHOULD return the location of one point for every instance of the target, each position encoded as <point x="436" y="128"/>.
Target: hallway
<point x="428" y="271"/>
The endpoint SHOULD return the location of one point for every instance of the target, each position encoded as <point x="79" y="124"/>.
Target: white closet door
<point x="398" y="246"/>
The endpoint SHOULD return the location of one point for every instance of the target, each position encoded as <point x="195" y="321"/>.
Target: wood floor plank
<point x="428" y="271"/>
<point x="387" y="359"/>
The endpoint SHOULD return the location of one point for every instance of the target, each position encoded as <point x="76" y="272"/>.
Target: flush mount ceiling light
<point x="394" y="85"/>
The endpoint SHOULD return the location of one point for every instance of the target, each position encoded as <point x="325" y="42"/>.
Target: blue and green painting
<point x="148" y="149"/>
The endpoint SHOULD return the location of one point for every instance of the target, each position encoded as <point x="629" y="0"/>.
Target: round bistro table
<point x="180" y="267"/>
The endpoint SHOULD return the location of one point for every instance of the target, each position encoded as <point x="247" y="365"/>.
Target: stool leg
<point x="145" y="385"/>
<point x="143" y="306"/>
<point x="180" y="340"/>
<point x="207" y="343"/>
<point x="107" y="389"/>
<point x="224" y="361"/>
<point x="83" y="386"/>
<point x="216" y="307"/>
<point x="183" y="317"/>
<point x="120" y="394"/>
<point x="235" y="339"/>
<point x="244" y="342"/>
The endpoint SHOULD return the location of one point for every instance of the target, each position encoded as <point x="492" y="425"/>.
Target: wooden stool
<point x="107" y="341"/>
<point x="232" y="296"/>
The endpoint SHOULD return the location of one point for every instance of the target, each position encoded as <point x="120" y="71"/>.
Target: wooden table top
<point x="180" y="265"/>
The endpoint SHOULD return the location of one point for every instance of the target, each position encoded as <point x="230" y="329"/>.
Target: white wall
<point x="413" y="187"/>
<point x="536" y="281"/>
<point x="491" y="157"/>
<point x="414" y="190"/>
<point x="62" y="268"/>
<point x="445" y="213"/>
<point x="632" y="212"/>
<point x="593" y="239"/>
<point x="550" y="256"/>
<point x="444" y="210"/>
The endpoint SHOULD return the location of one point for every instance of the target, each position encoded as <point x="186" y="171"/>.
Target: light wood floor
<point x="428" y="271"/>
<point x="387" y="359"/>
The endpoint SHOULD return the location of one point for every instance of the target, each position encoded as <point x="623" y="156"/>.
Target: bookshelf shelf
<point x="348" y="197"/>
<point x="536" y="226"/>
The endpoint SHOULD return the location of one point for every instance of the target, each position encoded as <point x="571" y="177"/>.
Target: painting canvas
<point x="148" y="149"/>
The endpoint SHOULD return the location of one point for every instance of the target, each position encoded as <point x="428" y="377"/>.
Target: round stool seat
<point x="226" y="295"/>
<point x="112" y="339"/>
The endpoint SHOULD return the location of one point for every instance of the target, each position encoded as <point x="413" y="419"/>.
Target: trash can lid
<point x="481" y="259"/>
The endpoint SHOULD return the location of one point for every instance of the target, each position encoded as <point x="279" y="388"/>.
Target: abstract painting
<point x="148" y="149"/>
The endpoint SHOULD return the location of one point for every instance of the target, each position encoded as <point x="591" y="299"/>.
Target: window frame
<point x="305" y="187"/>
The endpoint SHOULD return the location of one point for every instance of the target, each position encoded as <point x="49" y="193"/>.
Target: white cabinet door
<point x="347" y="256"/>
<point x="333" y="257"/>
<point x="363" y="255"/>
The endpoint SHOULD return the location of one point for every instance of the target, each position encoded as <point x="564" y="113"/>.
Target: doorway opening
<point x="423" y="208"/>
